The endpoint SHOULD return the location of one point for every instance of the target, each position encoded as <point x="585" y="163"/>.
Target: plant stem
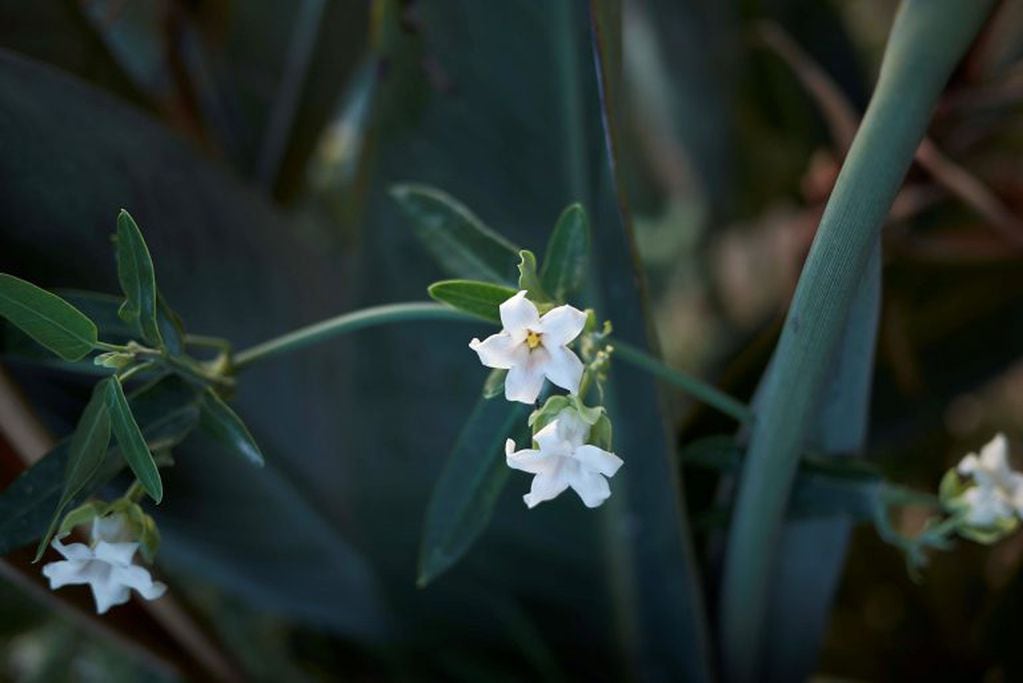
<point x="346" y="322"/>
<point x="697" y="388"/>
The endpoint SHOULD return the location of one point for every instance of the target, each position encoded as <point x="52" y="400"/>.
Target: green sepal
<point x="83" y="514"/>
<point x="143" y="527"/>
<point x="951" y="489"/>
<point x="601" y="434"/>
<point x="545" y="414"/>
<point x="992" y="534"/>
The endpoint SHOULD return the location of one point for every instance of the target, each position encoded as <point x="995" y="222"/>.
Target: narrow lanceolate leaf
<point x="138" y="280"/>
<point x="462" y="245"/>
<point x="481" y="299"/>
<point x="563" y="270"/>
<point x="47" y="318"/>
<point x="464" y="497"/>
<point x="85" y="456"/>
<point x="223" y="424"/>
<point x="130" y="440"/>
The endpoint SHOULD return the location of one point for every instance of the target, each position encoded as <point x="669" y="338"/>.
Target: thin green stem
<point x="128" y="373"/>
<point x="208" y="342"/>
<point x="697" y="388"/>
<point x="347" y="322"/>
<point x="135" y="492"/>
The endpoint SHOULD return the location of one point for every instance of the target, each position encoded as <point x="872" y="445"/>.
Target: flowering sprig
<point x="982" y="498"/>
<point x="106" y="564"/>
<point x="572" y="440"/>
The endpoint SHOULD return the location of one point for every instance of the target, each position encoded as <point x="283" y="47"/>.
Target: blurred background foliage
<point x="255" y="142"/>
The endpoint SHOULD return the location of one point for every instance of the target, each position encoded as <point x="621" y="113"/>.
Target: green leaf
<point x="46" y="318"/>
<point x="529" y="280"/>
<point x="223" y="424"/>
<point x="130" y="440"/>
<point x="481" y="299"/>
<point x="85" y="456"/>
<point x="563" y="272"/>
<point x="172" y="329"/>
<point x="924" y="46"/>
<point x="166" y="409"/>
<point x="138" y="280"/>
<point x="457" y="239"/>
<point x="463" y="499"/>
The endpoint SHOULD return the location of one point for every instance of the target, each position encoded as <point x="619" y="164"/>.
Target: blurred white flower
<point x="531" y="348"/>
<point x="998" y="490"/>
<point x="106" y="566"/>
<point x="565" y="460"/>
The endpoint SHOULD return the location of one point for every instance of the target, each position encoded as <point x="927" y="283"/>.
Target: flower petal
<point x="572" y="429"/>
<point x="72" y="551"/>
<point x="66" y="573"/>
<point x="525" y="380"/>
<point x="968" y="465"/>
<point x="499" y="351"/>
<point x="108" y="594"/>
<point x="548" y="485"/>
<point x="139" y="579"/>
<point x="550" y="440"/>
<point x="561" y="325"/>
<point x="994" y="456"/>
<point x="598" y="460"/>
<point x="563" y="368"/>
<point x="985" y="507"/>
<point x="112" y="529"/>
<point x="592" y="487"/>
<point x="115" y="553"/>
<point x="519" y="313"/>
<point x="526" y="460"/>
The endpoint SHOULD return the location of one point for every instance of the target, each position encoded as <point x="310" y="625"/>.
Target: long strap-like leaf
<point x="927" y="40"/>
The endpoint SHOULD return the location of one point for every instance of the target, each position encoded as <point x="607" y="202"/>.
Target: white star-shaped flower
<point x="998" y="492"/>
<point x="565" y="460"/>
<point x="531" y="348"/>
<point x="106" y="566"/>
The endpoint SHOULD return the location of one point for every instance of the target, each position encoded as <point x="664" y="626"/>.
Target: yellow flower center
<point x="532" y="339"/>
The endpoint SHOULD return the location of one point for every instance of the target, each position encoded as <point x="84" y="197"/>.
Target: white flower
<point x="565" y="460"/>
<point x="106" y="566"/>
<point x="531" y="348"/>
<point x="998" y="492"/>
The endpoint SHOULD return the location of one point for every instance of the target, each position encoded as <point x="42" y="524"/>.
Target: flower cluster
<point x="571" y="440"/>
<point x="106" y="565"/>
<point x="988" y="505"/>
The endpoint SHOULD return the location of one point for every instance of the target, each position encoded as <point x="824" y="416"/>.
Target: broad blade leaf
<point x="457" y="239"/>
<point x="464" y="497"/>
<point x="138" y="280"/>
<point x="223" y="424"/>
<point x="130" y="440"/>
<point x="563" y="270"/>
<point x="47" y="318"/>
<point x="481" y="299"/>
<point x="85" y="456"/>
